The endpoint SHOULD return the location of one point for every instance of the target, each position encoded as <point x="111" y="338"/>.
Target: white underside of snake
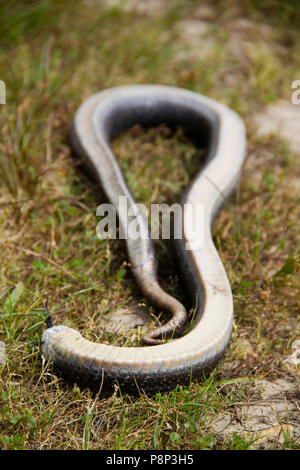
<point x="161" y="364"/>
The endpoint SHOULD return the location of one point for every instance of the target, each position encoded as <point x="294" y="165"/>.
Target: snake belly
<point x="159" y="366"/>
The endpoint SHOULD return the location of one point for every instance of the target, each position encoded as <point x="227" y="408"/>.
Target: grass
<point x="52" y="56"/>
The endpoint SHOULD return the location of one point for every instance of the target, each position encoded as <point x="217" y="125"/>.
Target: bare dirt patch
<point x="271" y="415"/>
<point x="282" y="119"/>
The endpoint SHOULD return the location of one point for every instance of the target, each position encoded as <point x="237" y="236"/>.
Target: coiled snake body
<point x="159" y="366"/>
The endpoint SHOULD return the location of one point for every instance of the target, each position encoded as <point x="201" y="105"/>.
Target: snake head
<point x="50" y="339"/>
